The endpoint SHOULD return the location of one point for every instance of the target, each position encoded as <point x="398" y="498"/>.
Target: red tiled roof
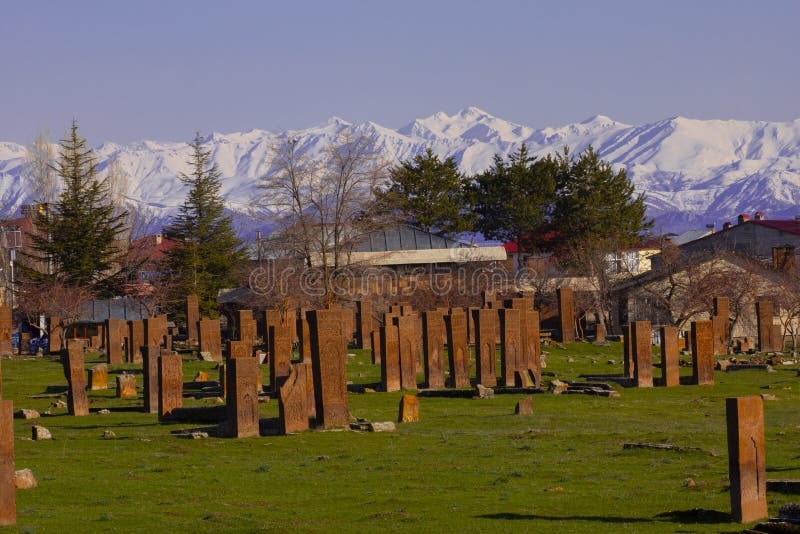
<point x="147" y="249"/>
<point x="790" y="226"/>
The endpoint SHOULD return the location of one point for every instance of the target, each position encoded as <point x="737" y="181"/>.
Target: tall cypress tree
<point x="76" y="240"/>
<point x="208" y="249"/>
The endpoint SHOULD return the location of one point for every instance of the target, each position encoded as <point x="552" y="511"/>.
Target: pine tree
<point x="430" y="194"/>
<point x="76" y="238"/>
<point x="208" y="249"/>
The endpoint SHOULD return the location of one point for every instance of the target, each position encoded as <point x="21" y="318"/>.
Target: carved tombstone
<point x="98" y="377"/>
<point x="150" y="380"/>
<point x="566" y="313"/>
<point x="155" y="328"/>
<point x="764" y="316"/>
<point x="239" y="349"/>
<point x="77" y="403"/>
<point x="135" y="341"/>
<point x="670" y="370"/>
<point x="304" y="334"/>
<point x="54" y="331"/>
<point x="192" y="316"/>
<point x="409" y="409"/>
<point x="535" y="364"/>
<point x="407" y="340"/>
<point x="485" y="346"/>
<point x="329" y="358"/>
<point x="510" y="353"/>
<point x="293" y="400"/>
<point x="600" y="333"/>
<point x="390" y="361"/>
<point x="721" y="324"/>
<point x="433" y="345"/>
<point x="170" y="380"/>
<point x="8" y="492"/>
<point x="702" y="353"/>
<point x="746" y="462"/>
<point x="126" y="386"/>
<point x="457" y="347"/>
<point x="642" y="354"/>
<point x="6" y="327"/>
<point x="375" y="343"/>
<point x="210" y="338"/>
<point x="115" y="330"/>
<point x="280" y="349"/>
<point x="627" y="351"/>
<point x="242" y="398"/>
<point x="364" y="323"/>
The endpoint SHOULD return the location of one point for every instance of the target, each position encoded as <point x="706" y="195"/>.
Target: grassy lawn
<point x="468" y="465"/>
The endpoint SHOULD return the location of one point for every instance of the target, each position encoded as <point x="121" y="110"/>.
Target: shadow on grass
<point x="695" y="515"/>
<point x="508" y="516"/>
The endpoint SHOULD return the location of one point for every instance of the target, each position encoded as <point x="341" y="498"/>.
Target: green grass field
<point x="467" y="466"/>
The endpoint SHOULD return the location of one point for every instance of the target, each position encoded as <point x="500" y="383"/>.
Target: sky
<point x="162" y="70"/>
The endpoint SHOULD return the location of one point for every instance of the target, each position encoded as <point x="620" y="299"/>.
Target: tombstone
<point x="488" y="299"/>
<point x="406" y="341"/>
<point x="6" y="329"/>
<point x="210" y="338"/>
<point x="98" y="377"/>
<point x="293" y="400"/>
<point x="126" y="386"/>
<point x="155" y="328"/>
<point x="721" y="324"/>
<point x="390" y="360"/>
<point x="409" y="409"/>
<point x="510" y="353"/>
<point x="670" y="357"/>
<point x="702" y="353"/>
<point x="600" y="333"/>
<point x="627" y="351"/>
<point x="280" y="350"/>
<point x="242" y="398"/>
<point x="247" y="327"/>
<point x="115" y="330"/>
<point x="364" y="323"/>
<point x="223" y="380"/>
<point x="471" y="326"/>
<point x="764" y="317"/>
<point x="746" y="462"/>
<point x="329" y="359"/>
<point x="77" y="403"/>
<point x="433" y="347"/>
<point x="375" y="344"/>
<point x="532" y="333"/>
<point x="135" y="341"/>
<point x="776" y="338"/>
<point x="8" y="492"/>
<point x="239" y="349"/>
<point x="54" y="331"/>
<point x="457" y="347"/>
<point x="150" y="379"/>
<point x="566" y="313"/>
<point x="485" y="346"/>
<point x="311" y="402"/>
<point x="192" y="316"/>
<point x="524" y="406"/>
<point x="305" y="339"/>
<point x="642" y="354"/>
<point x="170" y="381"/>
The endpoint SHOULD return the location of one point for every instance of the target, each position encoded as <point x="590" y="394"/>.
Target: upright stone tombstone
<point x="407" y="340"/>
<point x="223" y="380"/>
<point x="471" y="326"/>
<point x="627" y="351"/>
<point x="375" y="344"/>
<point x="192" y="316"/>
<point x="239" y="349"/>
<point x="6" y="328"/>
<point x="702" y="353"/>
<point x="280" y="350"/>
<point x="311" y="402"/>
<point x="510" y="349"/>
<point x="566" y="313"/>
<point x="765" y="312"/>
<point x="642" y="354"/>
<point x="485" y="346"/>
<point x="8" y="491"/>
<point x="433" y="345"/>
<point x="135" y="341"/>
<point x="77" y="403"/>
<point x="721" y="324"/>
<point x="126" y="386"/>
<point x="457" y="347"/>
<point x="293" y="401"/>
<point x="115" y="330"/>
<point x="54" y="332"/>
<point x="670" y="357"/>
<point x="390" y="361"/>
<point x="153" y="332"/>
<point x="210" y="338"/>
<point x="304" y="334"/>
<point x="98" y="377"/>
<point x="535" y="350"/>
<point x="242" y="398"/>
<point x="150" y="384"/>
<point x="329" y="359"/>
<point x="170" y="380"/>
<point x="247" y="326"/>
<point x="746" y="461"/>
<point x="364" y="323"/>
<point x="600" y="333"/>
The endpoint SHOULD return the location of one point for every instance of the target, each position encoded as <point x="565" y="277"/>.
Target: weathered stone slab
<point x="239" y="349"/>
<point x="670" y="357"/>
<point x="280" y="350"/>
<point x="433" y="345"/>
<point x="304" y="334"/>
<point x="155" y="328"/>
<point x="600" y="333"/>
<point x="566" y="313"/>
<point x="484" y="321"/>
<point x="210" y="338"/>
<point x="364" y="323"/>
<point x="407" y="340"/>
<point x="293" y="400"/>
<point x="524" y="407"/>
<point x="223" y="380"/>
<point x="746" y="461"/>
<point x="457" y="347"/>
<point x="311" y="401"/>
<point x="242" y="398"/>
<point x="765" y="312"/>
<point x="409" y="409"/>
<point x="390" y="362"/>
<point x="627" y="351"/>
<point x="510" y="353"/>
<point x="721" y="324"/>
<point x="135" y="341"/>
<point x="126" y="386"/>
<point x="77" y="403"/>
<point x="329" y="358"/>
<point x="150" y="357"/>
<point x="532" y="339"/>
<point x="170" y="379"/>
<point x="8" y="492"/>
<point x="642" y="354"/>
<point x="54" y="333"/>
<point x="6" y="328"/>
<point x="375" y="344"/>
<point x="98" y="377"/>
<point x="115" y="333"/>
<point x="702" y="352"/>
<point x="192" y="316"/>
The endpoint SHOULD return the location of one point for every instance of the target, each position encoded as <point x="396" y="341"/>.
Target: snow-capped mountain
<point x="693" y="172"/>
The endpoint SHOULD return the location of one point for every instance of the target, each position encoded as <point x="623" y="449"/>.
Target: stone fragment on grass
<point x="555" y="489"/>
<point x="109" y="434"/>
<point x="524" y="407"/>
<point x="206" y="356"/>
<point x="104" y="411"/>
<point x="557" y="387"/>
<point x="201" y="376"/>
<point x="26" y="414"/>
<point x="39" y="433"/>
<point x="385" y="426"/>
<point x="768" y="397"/>
<point x="482" y="392"/>
<point x="24" y="479"/>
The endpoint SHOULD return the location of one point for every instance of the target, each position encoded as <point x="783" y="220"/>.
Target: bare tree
<point x="53" y="298"/>
<point x="39" y="167"/>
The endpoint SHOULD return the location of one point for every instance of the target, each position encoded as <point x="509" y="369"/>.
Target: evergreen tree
<point x="76" y="238"/>
<point x="430" y="194"/>
<point x="209" y="250"/>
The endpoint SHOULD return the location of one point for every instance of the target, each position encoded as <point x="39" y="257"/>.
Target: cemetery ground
<point x="468" y="465"/>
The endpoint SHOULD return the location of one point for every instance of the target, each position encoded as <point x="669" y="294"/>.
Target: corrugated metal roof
<point x="405" y="238"/>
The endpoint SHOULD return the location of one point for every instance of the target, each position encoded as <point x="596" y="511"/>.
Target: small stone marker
<point x="39" y="433"/>
<point x="24" y="479"/>
<point x="642" y="354"/>
<point x="126" y="386"/>
<point x="433" y="349"/>
<point x="8" y="494"/>
<point x="210" y="338"/>
<point x="746" y="462"/>
<point x="25" y="413"/>
<point x="98" y="377"/>
<point x="670" y="370"/>
<point x="150" y="380"/>
<point x="458" y="349"/>
<point x="201" y="376"/>
<point x="293" y="401"/>
<point x="170" y="379"/>
<point x="390" y="361"/>
<point x="485" y="325"/>
<point x="524" y="407"/>
<point x="242" y="399"/>
<point x="702" y="353"/>
<point x="329" y="359"/>
<point x="77" y="403"/>
<point x="409" y="409"/>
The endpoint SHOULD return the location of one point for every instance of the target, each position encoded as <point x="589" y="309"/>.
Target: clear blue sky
<point x="161" y="70"/>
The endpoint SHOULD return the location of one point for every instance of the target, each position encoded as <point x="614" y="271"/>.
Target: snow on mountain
<point x="693" y="172"/>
